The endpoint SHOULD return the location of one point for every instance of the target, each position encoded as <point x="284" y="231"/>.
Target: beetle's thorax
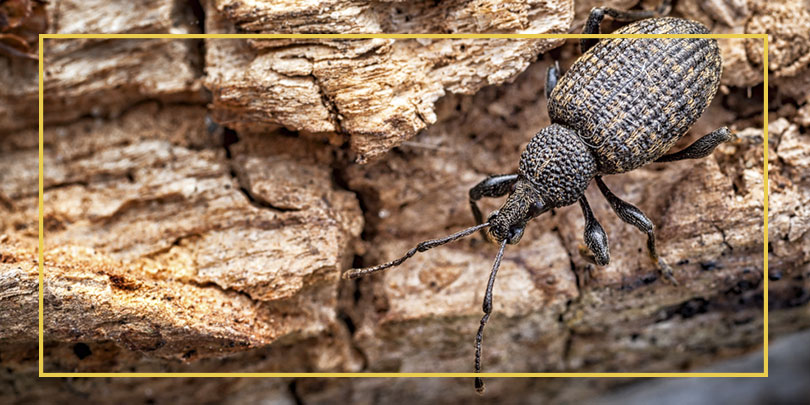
<point x="558" y="164"/>
<point x="555" y="169"/>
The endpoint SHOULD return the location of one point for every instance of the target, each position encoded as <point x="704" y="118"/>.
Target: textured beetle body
<point x="557" y="153"/>
<point x="630" y="100"/>
<point x="621" y="105"/>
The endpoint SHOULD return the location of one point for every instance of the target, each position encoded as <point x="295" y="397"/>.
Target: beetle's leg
<point x="598" y="14"/>
<point x="595" y="237"/>
<point x="479" y="383"/>
<point x="552" y="77"/>
<point x="701" y="148"/>
<point x="492" y="186"/>
<point x="633" y="216"/>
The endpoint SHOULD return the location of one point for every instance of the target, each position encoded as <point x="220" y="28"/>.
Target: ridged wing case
<point x="630" y="100"/>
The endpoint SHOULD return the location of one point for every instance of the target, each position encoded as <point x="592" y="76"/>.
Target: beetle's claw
<point x="586" y="254"/>
<point x="666" y="272"/>
<point x="479" y="386"/>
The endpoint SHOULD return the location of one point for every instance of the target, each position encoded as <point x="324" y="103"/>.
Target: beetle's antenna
<point x="479" y="383"/>
<point x="421" y="247"/>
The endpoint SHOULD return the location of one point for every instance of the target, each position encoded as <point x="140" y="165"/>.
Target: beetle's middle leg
<point x="633" y="216"/>
<point x="701" y="148"/>
<point x="493" y="186"/>
<point x="598" y="14"/>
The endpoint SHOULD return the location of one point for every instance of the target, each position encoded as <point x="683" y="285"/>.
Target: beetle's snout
<point x="498" y="228"/>
<point x="501" y="227"/>
<point x="509" y="222"/>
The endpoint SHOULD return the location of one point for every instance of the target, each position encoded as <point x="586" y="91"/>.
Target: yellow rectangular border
<point x="41" y="200"/>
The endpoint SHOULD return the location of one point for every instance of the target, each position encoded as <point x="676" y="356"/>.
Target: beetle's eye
<point x="537" y="208"/>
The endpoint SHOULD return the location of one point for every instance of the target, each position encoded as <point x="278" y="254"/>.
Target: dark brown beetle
<point x="624" y="103"/>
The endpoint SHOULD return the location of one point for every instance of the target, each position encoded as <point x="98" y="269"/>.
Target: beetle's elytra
<point x="624" y="103"/>
<point x="630" y="100"/>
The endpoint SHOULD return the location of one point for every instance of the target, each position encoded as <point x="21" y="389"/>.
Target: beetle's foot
<point x="666" y="271"/>
<point x="746" y="137"/>
<point x="586" y="254"/>
<point x="479" y="386"/>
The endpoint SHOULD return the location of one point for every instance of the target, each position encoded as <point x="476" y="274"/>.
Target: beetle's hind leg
<point x="595" y="237"/>
<point x="598" y="14"/>
<point x="493" y="186"/>
<point x="701" y="148"/>
<point x="633" y="216"/>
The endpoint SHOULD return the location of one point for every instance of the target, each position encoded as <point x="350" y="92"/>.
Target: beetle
<point x="623" y="104"/>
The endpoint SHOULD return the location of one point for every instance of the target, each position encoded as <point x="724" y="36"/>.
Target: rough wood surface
<point x="102" y="78"/>
<point x="185" y="236"/>
<point x="153" y="227"/>
<point x="373" y="93"/>
<point x="787" y="24"/>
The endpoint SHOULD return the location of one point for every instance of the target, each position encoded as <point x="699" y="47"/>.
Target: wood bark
<point x="374" y="93"/>
<point x="206" y="232"/>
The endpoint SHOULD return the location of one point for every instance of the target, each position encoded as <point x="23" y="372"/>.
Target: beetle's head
<point x="510" y="220"/>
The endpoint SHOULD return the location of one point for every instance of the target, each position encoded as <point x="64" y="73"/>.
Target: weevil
<point x="623" y="104"/>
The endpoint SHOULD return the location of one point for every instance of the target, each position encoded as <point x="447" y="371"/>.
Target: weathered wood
<point x="787" y="24"/>
<point x="373" y="93"/>
<point x="102" y="78"/>
<point x="159" y="240"/>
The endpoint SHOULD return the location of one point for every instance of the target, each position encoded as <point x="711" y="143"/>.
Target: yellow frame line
<point x="41" y="208"/>
<point x="392" y="36"/>
<point x="41" y="199"/>
<point x="765" y="203"/>
<point x="410" y="375"/>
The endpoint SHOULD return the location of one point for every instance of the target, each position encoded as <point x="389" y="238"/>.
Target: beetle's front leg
<point x="492" y="186"/>
<point x="595" y="237"/>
